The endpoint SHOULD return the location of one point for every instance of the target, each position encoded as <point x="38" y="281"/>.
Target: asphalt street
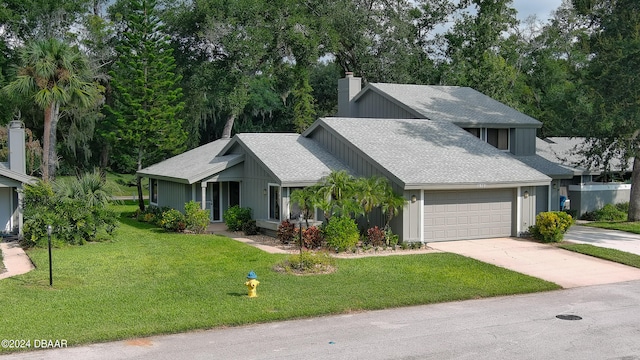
<point x="512" y="327"/>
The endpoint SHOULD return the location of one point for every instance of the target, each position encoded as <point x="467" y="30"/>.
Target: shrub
<point x="151" y="214"/>
<point x="172" y="220"/>
<point x="286" y="232"/>
<point x="196" y="218"/>
<point x="308" y="262"/>
<point x="375" y="236"/>
<point x="391" y="238"/>
<point x="250" y="228"/>
<point x="551" y="226"/>
<point x="236" y="216"/>
<point x="609" y="212"/>
<point x="76" y="209"/>
<point x="341" y="233"/>
<point x="312" y="237"/>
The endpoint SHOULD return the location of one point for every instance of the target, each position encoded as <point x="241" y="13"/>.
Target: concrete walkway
<point x="613" y="239"/>
<point x="547" y="262"/>
<point x="15" y="260"/>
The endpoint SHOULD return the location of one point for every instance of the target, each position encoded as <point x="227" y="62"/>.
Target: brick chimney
<point x="17" y="158"/>
<point x="348" y="88"/>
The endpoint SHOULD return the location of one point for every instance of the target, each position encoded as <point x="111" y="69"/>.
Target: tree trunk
<point x="228" y="126"/>
<point x="634" y="201"/>
<point x="140" y="198"/>
<point x="104" y="156"/>
<point x="53" y="135"/>
<point x="45" y="142"/>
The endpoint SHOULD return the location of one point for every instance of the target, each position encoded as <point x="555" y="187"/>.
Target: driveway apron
<point x="547" y="262"/>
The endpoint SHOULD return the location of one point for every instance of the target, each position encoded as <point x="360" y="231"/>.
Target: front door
<point x="216" y="213"/>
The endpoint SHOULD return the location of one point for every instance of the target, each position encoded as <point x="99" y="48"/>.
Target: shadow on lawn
<point x="126" y="218"/>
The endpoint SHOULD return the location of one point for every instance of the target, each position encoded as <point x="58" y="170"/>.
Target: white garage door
<point x="460" y="215"/>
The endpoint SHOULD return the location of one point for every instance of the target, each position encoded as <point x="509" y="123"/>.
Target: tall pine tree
<point x="147" y="101"/>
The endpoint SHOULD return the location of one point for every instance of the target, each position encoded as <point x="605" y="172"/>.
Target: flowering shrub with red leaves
<point x="312" y="237"/>
<point x="375" y="236"/>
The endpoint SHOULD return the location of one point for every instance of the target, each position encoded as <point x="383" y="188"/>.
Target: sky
<point x="542" y="8"/>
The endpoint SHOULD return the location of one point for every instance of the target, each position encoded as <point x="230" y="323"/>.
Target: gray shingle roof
<point x="549" y="168"/>
<point x="193" y="165"/>
<point x="563" y="150"/>
<point x="291" y="158"/>
<point x="428" y="154"/>
<point x="16" y="176"/>
<point x="463" y="106"/>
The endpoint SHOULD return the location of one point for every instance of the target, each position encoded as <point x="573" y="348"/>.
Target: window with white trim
<point x="274" y="202"/>
<point x="499" y="138"/>
<point x="153" y="191"/>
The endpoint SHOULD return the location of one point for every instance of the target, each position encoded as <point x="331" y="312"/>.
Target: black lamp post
<point x="49" y="231"/>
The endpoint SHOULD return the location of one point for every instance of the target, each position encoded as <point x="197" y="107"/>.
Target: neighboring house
<point x="584" y="189"/>
<point x="465" y="163"/>
<point x="12" y="177"/>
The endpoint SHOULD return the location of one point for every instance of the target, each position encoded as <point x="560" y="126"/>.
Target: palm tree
<point x="391" y="204"/>
<point x="337" y="193"/>
<point x="53" y="75"/>
<point x="307" y="199"/>
<point x="370" y="193"/>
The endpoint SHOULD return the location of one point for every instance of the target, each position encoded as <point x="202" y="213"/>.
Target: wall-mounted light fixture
<point x="555" y="185"/>
<point x="264" y="191"/>
<point x="526" y="194"/>
<point x="413" y="198"/>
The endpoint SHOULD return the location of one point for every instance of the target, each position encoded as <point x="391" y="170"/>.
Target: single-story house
<point x="465" y="163"/>
<point x="586" y="189"/>
<point x="12" y="177"/>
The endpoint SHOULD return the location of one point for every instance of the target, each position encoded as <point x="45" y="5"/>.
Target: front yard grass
<point x="632" y="227"/>
<point x="618" y="256"/>
<point x="147" y="282"/>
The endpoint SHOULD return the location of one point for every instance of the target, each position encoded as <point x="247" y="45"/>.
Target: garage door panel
<point x="459" y="215"/>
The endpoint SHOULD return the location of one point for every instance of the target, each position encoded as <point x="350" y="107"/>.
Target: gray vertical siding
<point x="528" y="208"/>
<point x="256" y="180"/>
<point x="347" y="154"/>
<point x="373" y="105"/>
<point x="411" y="218"/>
<point x="542" y="199"/>
<point x="173" y="195"/>
<point x="523" y="141"/>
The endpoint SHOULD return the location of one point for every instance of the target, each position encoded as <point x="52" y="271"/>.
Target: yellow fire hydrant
<point x="252" y="283"/>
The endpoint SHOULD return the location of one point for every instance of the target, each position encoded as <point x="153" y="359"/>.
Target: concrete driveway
<point x="613" y="239"/>
<point x="563" y="267"/>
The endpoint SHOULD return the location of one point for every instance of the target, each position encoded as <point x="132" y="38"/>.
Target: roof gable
<point x="424" y="154"/>
<point x="292" y="159"/>
<point x="462" y="106"/>
<point x="16" y="176"/>
<point x="193" y="165"/>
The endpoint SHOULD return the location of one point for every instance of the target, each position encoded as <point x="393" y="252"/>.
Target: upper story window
<point x="499" y="138"/>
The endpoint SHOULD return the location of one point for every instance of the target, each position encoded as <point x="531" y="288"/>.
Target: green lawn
<point x="605" y="253"/>
<point x="633" y="227"/>
<point x="149" y="282"/>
